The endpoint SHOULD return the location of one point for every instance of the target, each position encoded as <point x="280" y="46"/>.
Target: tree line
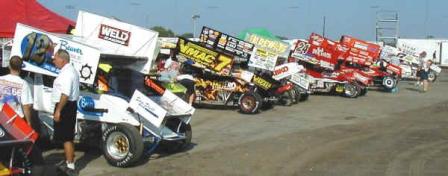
<point x="165" y="32"/>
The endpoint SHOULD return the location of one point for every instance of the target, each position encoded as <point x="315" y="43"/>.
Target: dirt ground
<point x="393" y="134"/>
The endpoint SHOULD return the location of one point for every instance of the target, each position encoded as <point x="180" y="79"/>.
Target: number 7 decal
<point x="223" y="62"/>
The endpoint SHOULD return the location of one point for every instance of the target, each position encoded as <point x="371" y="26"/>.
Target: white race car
<point x="126" y="129"/>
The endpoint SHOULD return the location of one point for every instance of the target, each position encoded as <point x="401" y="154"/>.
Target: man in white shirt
<point x="65" y="94"/>
<point x="424" y="75"/>
<point x="170" y="60"/>
<point x="16" y="91"/>
<point x="421" y="60"/>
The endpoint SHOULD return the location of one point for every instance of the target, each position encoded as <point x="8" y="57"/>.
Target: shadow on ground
<point x="48" y="168"/>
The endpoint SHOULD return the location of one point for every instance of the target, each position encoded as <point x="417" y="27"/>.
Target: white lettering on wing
<point x="114" y="35"/>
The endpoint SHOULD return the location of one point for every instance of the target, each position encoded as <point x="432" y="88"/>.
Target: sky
<point x="288" y="18"/>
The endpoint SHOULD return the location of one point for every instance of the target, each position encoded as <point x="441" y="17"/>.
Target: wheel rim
<point x="248" y="102"/>
<point x="117" y="145"/>
<point x="350" y="90"/>
<point x="431" y="76"/>
<point x="389" y="83"/>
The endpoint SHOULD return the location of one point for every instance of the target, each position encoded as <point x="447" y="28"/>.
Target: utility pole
<point x="195" y="17"/>
<point x="323" y="28"/>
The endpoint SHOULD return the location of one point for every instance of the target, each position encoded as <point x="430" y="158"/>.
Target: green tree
<point x="187" y="35"/>
<point x="163" y="32"/>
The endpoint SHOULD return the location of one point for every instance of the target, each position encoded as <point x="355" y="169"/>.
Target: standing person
<point x="19" y="96"/>
<point x="65" y="94"/>
<point x="424" y="74"/>
<point x="187" y="80"/>
<point x="170" y="59"/>
<point x="23" y="102"/>
<point x="421" y="62"/>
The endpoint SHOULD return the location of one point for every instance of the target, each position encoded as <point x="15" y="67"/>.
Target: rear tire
<point x="250" y="103"/>
<point x="363" y="91"/>
<point x="288" y="98"/>
<point x="432" y="77"/>
<point x="297" y="94"/>
<point x="122" y="145"/>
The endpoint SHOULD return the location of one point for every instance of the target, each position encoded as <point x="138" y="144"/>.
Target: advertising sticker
<point x="263" y="59"/>
<point x="286" y="70"/>
<point x="275" y="46"/>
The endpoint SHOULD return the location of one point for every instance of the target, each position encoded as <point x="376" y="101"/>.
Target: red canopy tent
<point x="31" y="13"/>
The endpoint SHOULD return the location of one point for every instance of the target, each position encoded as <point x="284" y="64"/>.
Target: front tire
<point x="122" y="145"/>
<point x="250" y="103"/>
<point x="351" y="90"/>
<point x="304" y="96"/>
<point x="389" y="83"/>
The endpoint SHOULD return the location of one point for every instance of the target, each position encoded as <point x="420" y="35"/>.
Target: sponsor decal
<point x="217" y="90"/>
<point x="301" y="48"/>
<point x="146" y="106"/>
<point x="321" y="52"/>
<point x="150" y="110"/>
<point x="259" y="81"/>
<point x="150" y="83"/>
<point x="281" y="70"/>
<point x="278" y="47"/>
<point x="86" y="105"/>
<point x="114" y="35"/>
<point x="66" y="46"/>
<point x="218" y="85"/>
